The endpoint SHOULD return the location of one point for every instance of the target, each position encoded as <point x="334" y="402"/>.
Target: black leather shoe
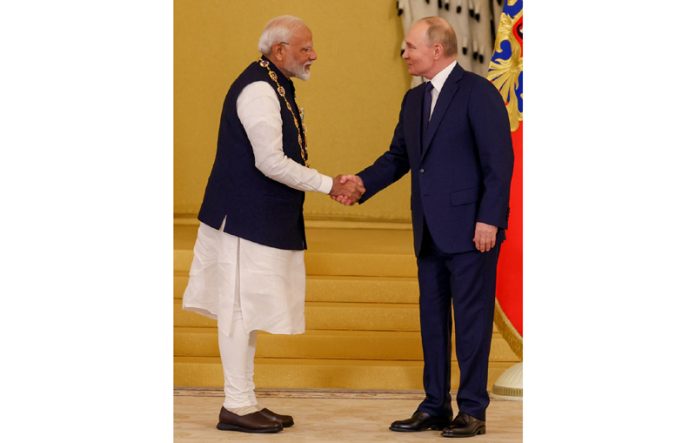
<point x="285" y="420"/>
<point x="420" y="421"/>
<point x="465" y="426"/>
<point x="256" y="422"/>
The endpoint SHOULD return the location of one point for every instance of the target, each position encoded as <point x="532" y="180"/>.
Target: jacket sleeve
<point x="390" y="166"/>
<point x="491" y="128"/>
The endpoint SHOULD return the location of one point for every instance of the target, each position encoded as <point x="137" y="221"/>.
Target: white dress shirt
<point x="438" y="82"/>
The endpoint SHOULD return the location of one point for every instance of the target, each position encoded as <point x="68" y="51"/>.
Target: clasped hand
<point x="347" y="189"/>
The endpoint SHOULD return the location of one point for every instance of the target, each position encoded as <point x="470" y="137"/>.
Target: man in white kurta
<point x="244" y="285"/>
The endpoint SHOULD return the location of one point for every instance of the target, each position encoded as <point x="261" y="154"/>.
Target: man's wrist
<point x="326" y="184"/>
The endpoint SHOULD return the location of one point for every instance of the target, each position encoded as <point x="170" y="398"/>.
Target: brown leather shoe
<point x="465" y="426"/>
<point x="285" y="420"/>
<point x="420" y="421"/>
<point x="256" y="422"/>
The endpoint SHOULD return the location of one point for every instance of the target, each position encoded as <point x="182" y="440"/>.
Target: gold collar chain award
<point x="281" y="92"/>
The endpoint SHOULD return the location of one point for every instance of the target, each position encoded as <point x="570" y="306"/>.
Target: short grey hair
<point x="440" y="31"/>
<point x="277" y="30"/>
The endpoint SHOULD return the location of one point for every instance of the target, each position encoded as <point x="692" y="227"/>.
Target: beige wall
<point x="351" y="102"/>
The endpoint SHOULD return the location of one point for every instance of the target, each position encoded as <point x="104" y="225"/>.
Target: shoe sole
<point x="429" y="428"/>
<point x="228" y="427"/>
<point x="479" y="431"/>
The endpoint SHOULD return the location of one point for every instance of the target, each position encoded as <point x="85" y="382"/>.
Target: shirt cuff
<point x="326" y="184"/>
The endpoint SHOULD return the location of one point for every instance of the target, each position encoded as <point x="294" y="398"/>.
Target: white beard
<point x="300" y="72"/>
<point x="303" y="76"/>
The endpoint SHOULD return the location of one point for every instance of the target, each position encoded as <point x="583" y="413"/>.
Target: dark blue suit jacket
<point x="460" y="168"/>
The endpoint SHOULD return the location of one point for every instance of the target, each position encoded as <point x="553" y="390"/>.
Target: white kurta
<point x="269" y="282"/>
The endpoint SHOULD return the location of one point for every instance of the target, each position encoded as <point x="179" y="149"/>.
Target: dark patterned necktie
<point x="427" y="102"/>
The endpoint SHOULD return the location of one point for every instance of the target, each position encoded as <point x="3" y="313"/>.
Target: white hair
<point x="278" y="30"/>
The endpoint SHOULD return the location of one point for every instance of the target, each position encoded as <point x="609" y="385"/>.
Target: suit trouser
<point x="465" y="281"/>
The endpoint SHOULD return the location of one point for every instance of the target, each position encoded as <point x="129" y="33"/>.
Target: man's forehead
<point x="416" y="33"/>
<point x="302" y="33"/>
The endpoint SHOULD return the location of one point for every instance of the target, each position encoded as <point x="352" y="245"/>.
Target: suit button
<point x="422" y="170"/>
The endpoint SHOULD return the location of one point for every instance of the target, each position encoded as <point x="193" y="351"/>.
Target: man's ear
<point x="278" y="51"/>
<point x="439" y="50"/>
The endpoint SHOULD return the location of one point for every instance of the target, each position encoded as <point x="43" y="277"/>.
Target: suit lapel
<point x="449" y="89"/>
<point x="418" y="118"/>
<point x="412" y="124"/>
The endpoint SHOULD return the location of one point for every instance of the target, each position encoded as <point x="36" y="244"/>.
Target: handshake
<point x="347" y="189"/>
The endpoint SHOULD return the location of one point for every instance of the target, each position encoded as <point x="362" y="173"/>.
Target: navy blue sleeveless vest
<point x="257" y="208"/>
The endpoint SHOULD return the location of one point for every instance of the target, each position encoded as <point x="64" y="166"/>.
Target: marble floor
<point x="330" y="416"/>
